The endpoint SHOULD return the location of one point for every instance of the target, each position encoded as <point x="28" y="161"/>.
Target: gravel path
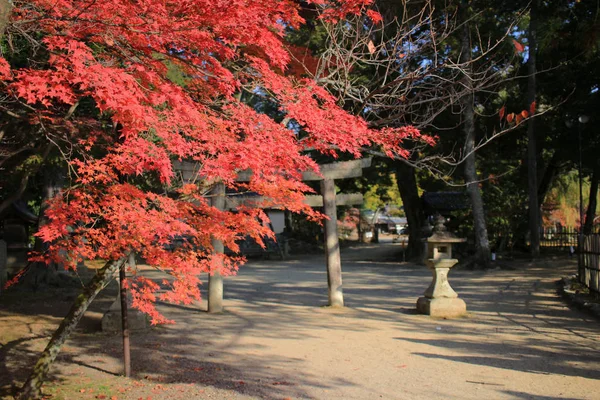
<point x="277" y="341"/>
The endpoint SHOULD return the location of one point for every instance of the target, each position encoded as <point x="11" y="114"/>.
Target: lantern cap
<point x="441" y="234"/>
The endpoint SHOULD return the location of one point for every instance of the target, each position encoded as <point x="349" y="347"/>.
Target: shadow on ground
<point x="276" y="338"/>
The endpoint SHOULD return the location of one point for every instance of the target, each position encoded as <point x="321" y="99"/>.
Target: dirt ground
<point x="276" y="340"/>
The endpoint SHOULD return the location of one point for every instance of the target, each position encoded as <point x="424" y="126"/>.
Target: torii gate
<point x="327" y="199"/>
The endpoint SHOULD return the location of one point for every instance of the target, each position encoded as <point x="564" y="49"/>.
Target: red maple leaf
<point x="519" y="48"/>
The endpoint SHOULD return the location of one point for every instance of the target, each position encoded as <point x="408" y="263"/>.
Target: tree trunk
<point x="32" y="388"/>
<point x="482" y="244"/>
<point x="546" y="182"/>
<point x="407" y="185"/>
<point x="534" y="209"/>
<point x="5" y="10"/>
<point x="28" y="172"/>
<point x="590" y="214"/>
<point x="332" y="245"/>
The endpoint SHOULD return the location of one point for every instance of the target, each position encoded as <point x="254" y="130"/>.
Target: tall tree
<point x="125" y="89"/>
<point x="532" y="152"/>
<point x="409" y="191"/>
<point x="482" y="244"/>
<point x="409" y="70"/>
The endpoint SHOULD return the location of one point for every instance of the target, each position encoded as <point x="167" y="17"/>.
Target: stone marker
<point x="112" y="323"/>
<point x="112" y="320"/>
<point x="440" y="300"/>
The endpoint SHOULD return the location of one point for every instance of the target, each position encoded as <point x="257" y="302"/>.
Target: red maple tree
<point x="118" y="58"/>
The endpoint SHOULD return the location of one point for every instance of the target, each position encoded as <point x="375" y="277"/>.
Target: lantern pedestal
<point x="442" y="307"/>
<point x="440" y="300"/>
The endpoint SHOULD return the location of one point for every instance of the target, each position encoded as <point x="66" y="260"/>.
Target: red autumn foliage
<point x="302" y="62"/>
<point x="374" y="16"/>
<point x="117" y="55"/>
<point x="518" y="119"/>
<point x="519" y="47"/>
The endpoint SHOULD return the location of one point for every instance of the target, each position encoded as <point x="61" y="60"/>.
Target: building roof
<point x="19" y="209"/>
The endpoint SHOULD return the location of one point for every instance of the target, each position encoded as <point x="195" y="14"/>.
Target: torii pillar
<point x="332" y="245"/>
<point x="215" y="279"/>
<point x="330" y="172"/>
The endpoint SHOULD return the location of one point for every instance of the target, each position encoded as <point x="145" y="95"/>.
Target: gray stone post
<point x="332" y="245"/>
<point x="215" y="280"/>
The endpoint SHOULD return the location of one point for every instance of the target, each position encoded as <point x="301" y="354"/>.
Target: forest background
<point x="496" y="99"/>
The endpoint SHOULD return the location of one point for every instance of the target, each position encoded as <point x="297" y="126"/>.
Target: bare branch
<point x="406" y="71"/>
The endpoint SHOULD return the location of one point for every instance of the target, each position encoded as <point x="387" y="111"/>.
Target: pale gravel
<point x="276" y="340"/>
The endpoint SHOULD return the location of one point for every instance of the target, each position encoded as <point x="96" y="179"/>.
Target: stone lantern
<point x="440" y="300"/>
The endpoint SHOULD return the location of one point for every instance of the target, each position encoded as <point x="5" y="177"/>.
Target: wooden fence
<point x="562" y="238"/>
<point x="588" y="257"/>
<point x="589" y="263"/>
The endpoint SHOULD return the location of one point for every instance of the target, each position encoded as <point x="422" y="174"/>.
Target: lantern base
<point x="442" y="307"/>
